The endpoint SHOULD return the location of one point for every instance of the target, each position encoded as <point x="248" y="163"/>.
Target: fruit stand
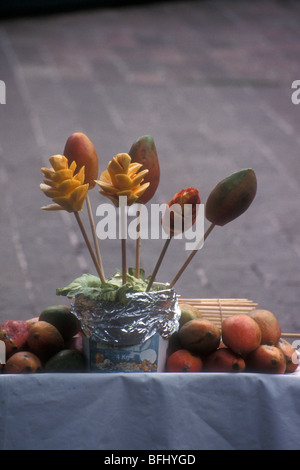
<point x="130" y="365"/>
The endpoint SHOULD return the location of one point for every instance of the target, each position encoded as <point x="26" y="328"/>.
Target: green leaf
<point x="132" y="272"/>
<point x="87" y="284"/>
<point x="113" y="290"/>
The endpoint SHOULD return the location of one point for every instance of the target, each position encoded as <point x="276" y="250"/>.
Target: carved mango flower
<point x="181" y="211"/>
<point x="123" y="178"/>
<point x="66" y="189"/>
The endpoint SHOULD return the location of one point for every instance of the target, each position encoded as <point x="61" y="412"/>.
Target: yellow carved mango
<point x="66" y="190"/>
<point x="123" y="178"/>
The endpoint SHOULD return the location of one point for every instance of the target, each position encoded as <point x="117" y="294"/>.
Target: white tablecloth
<point x="149" y="411"/>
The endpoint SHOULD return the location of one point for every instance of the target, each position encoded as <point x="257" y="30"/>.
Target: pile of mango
<point x="51" y="342"/>
<point x="244" y="343"/>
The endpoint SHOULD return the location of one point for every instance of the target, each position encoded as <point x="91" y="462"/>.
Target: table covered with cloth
<point x="149" y="411"/>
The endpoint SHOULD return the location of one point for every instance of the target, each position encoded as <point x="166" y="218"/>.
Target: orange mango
<point x="143" y="151"/>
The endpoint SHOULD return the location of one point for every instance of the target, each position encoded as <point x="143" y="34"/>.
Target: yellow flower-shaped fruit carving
<point x="66" y="190"/>
<point x="123" y="178"/>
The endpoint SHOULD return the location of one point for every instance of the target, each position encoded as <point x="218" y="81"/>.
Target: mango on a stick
<point x="231" y="197"/>
<point x="80" y="149"/>
<point x="143" y="151"/>
<point x="228" y="200"/>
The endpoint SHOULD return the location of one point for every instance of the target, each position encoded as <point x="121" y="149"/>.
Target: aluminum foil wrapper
<point x="145" y="314"/>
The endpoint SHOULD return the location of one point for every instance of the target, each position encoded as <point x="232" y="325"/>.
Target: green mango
<point x="188" y="312"/>
<point x="62" y="318"/>
<point x="67" y="360"/>
<point x="231" y="197"/>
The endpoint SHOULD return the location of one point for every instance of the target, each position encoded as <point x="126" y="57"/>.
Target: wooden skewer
<point x="138" y="246"/>
<point x="88" y="243"/>
<point x="216" y="304"/>
<point x="96" y="244"/>
<point x="223" y="305"/>
<point x="124" y="261"/>
<point x="191" y="256"/>
<point x="215" y="309"/>
<point x="137" y="259"/>
<point x="123" y="243"/>
<point x="291" y="335"/>
<point x="217" y="301"/>
<point x="159" y="261"/>
<point x="232" y="310"/>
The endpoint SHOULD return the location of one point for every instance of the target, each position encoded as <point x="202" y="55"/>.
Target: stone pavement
<point x="211" y="82"/>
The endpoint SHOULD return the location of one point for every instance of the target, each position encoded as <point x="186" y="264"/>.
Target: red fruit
<point x="224" y="360"/>
<point x="266" y="359"/>
<point x="241" y="334"/>
<point x="184" y="361"/>
<point x="269" y="326"/>
<point x="22" y="362"/>
<point x="177" y="220"/>
<point x="14" y="333"/>
<point x="44" y="340"/>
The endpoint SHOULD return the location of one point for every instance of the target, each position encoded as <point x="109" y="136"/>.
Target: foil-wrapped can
<point x="143" y="315"/>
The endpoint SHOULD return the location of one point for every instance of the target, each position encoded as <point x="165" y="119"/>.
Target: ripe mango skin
<point x="231" y="197"/>
<point x="80" y="149"/>
<point x="143" y="151"/>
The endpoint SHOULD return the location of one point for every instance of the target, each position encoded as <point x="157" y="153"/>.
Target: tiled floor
<point x="211" y="82"/>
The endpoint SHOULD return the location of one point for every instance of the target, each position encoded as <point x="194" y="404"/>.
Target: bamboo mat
<point x="216" y="310"/>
